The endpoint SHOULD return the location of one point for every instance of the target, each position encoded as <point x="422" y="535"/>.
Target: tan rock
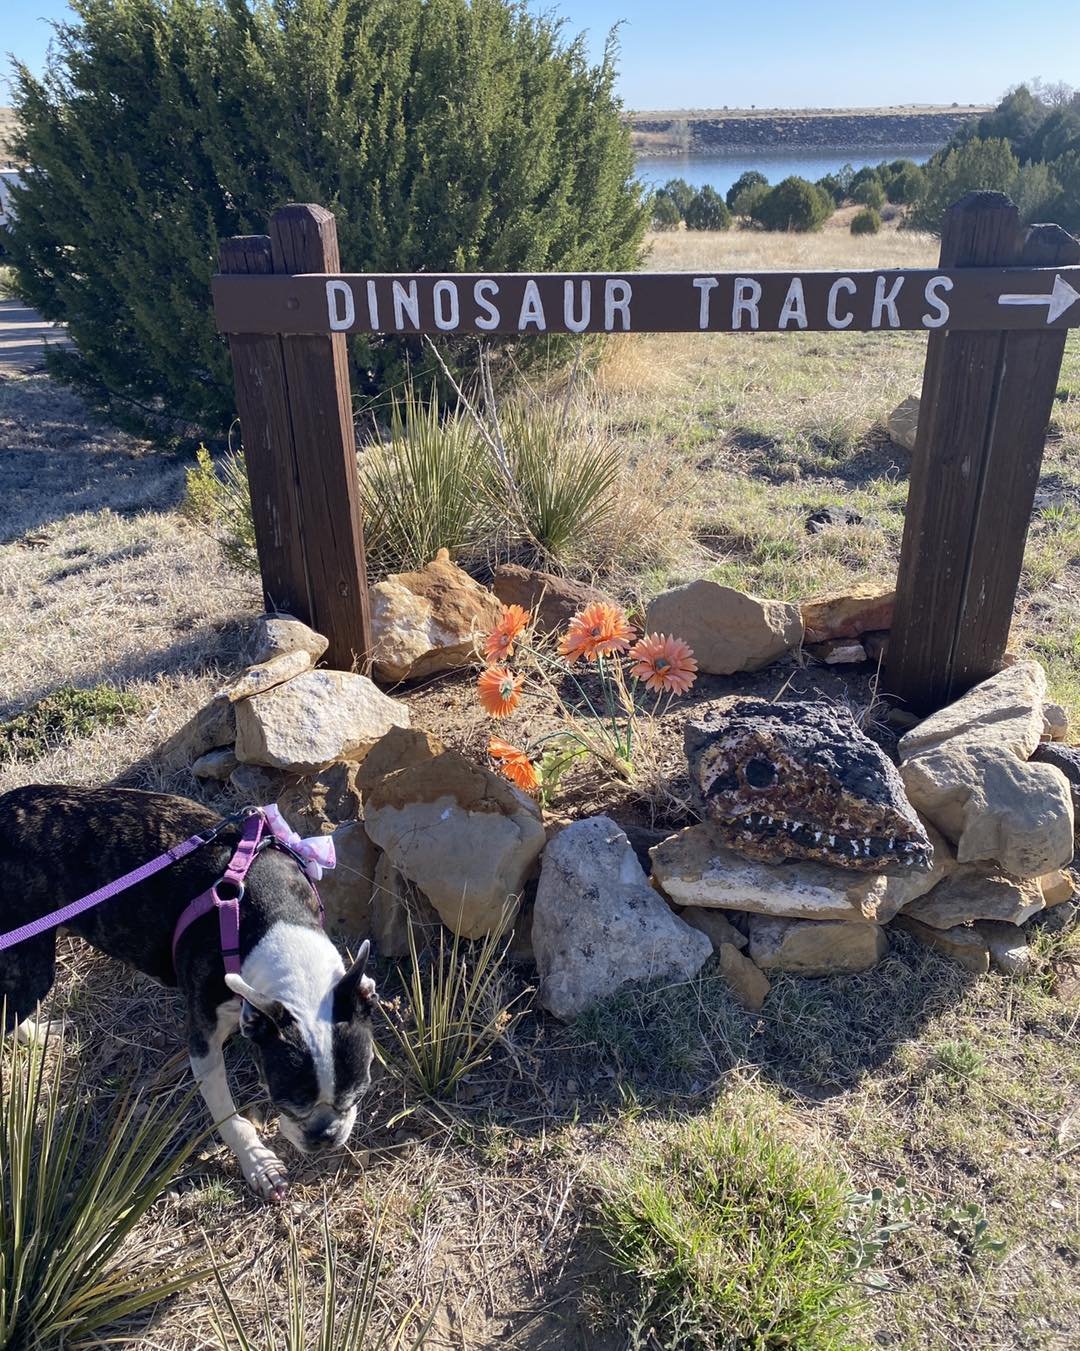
<point x="318" y="803"/>
<point x="749" y="984"/>
<point x="1005" y="711"/>
<point x="962" y="944"/>
<point x="841" y="652"/>
<point x="693" y="869"/>
<point x="463" y="835"/>
<point x="258" y="785"/>
<point x="729" y="631"/>
<point x="977" y="891"/>
<point x="1057" y="887"/>
<point x="551" y="600"/>
<point x="217" y="764"/>
<point x="347" y="888"/>
<point x="267" y="674"/>
<point x="1009" y="952"/>
<point x="815" y="948"/>
<point x="847" y="614"/>
<point x="903" y="423"/>
<point x="428" y="621"/>
<point x="213" y="726"/>
<point x="1055" y="723"/>
<point x="395" y="904"/>
<point x="277" y="634"/>
<point x="315" y="719"/>
<point x="400" y="748"/>
<point x="714" y="924"/>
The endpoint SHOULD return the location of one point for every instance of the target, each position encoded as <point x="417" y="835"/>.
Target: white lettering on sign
<point x="883" y="302"/>
<point x="577" y="324"/>
<point x="481" y="290"/>
<point x="406" y="302"/>
<point x="745" y="301"/>
<point x="447" y="315"/>
<point x="340" y="306"/>
<point x="705" y="286"/>
<point x="373" y="306"/>
<point x="832" y="317"/>
<point x="933" y="286"/>
<point x="532" y="308"/>
<point x="617" y="296"/>
<point x="794" y="306"/>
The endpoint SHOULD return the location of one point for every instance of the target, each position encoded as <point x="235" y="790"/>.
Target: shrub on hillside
<point x="1067" y="208"/>
<point x="794" y="204"/>
<point x="869" y="193"/>
<point x="707" y="211"/>
<point x="976" y="165"/>
<point x="665" y="214"/>
<point x="746" y="203"/>
<point x="866" y="222"/>
<point x="750" y="179"/>
<point x="832" y="185"/>
<point x="906" y="185"/>
<point x="680" y="192"/>
<point x="443" y="135"/>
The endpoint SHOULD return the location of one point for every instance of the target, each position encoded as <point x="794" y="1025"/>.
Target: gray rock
<point x="903" y="423"/>
<point x="1055" y="723"/>
<point x="978" y="891"/>
<point x="598" y="925"/>
<point x="815" y="948"/>
<point x="1067" y="760"/>
<point x="276" y="634"/>
<point x="1009" y="952"/>
<point x="258" y="785"/>
<point x="715" y="924"/>
<point x="395" y="904"/>
<point x="1005" y="711"/>
<point x="215" y="764"/>
<point x="346" y="889"/>
<point x="728" y="630"/>
<point x="962" y="944"/>
<point x="267" y="674"/>
<point x="213" y="726"/>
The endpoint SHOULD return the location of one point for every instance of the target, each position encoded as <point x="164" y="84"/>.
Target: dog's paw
<point x="266" y="1176"/>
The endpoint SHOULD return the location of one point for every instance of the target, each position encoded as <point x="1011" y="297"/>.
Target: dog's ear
<point x="355" y="992"/>
<point x="259" y="1015"/>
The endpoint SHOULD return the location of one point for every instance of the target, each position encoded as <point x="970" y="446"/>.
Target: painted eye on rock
<point x="760" y="773"/>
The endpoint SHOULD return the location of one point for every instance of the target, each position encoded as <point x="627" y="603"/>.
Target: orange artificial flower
<point x="499" y="690"/>
<point x="499" y="643"/>
<point x="598" y="630"/>
<point x="665" y="664"/>
<point x="516" y="765"/>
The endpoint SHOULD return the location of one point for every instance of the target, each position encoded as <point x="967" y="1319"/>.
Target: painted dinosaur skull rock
<point x="801" y="781"/>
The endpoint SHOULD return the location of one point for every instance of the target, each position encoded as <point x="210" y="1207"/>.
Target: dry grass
<point x="969" y="1088"/>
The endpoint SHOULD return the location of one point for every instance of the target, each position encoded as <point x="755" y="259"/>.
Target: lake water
<point x="720" y="170"/>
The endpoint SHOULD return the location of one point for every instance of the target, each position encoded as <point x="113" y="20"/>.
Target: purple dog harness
<point x="264" y="827"/>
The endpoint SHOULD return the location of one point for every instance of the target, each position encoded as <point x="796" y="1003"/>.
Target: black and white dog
<point x="308" y="1018"/>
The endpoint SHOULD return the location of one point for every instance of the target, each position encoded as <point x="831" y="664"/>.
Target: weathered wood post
<point x="986" y="402"/>
<point x="295" y="407"/>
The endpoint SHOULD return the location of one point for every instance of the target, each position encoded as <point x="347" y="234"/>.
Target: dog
<point x="308" y="1019"/>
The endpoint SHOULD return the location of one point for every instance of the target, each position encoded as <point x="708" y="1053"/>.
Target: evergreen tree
<point x="750" y="179"/>
<point x="976" y="165"/>
<point x="794" y="204"/>
<point x="707" y="211"/>
<point x="443" y="134"/>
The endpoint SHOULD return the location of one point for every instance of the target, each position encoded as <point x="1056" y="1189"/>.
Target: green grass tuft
<point x="62" y="716"/>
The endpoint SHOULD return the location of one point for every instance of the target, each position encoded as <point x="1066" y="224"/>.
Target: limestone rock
<point x="214" y="725"/>
<point x="728" y="630"/>
<point x="258" y="785"/>
<point x="460" y="833"/>
<point x="994" y="806"/>
<point x="400" y="748"/>
<point x="903" y="423"/>
<point x="1057" y="887"/>
<point x="346" y="889"/>
<point x="749" y="984"/>
<point x="551" y="600"/>
<point x="428" y="621"/>
<point x="694" y="869"/>
<point x="1009" y="952"/>
<point x="277" y="634"/>
<point x="839" y="652"/>
<point x="715" y="924"/>
<point x="977" y="891"/>
<point x="318" y="803"/>
<point x="1055" y="723"/>
<point x="1067" y="760"/>
<point x="815" y="948"/>
<point x="962" y="944"/>
<point x="847" y="614"/>
<point x="395" y="903"/>
<point x="598" y="924"/>
<point x="1005" y="711"/>
<point x="267" y="674"/>
<point x="315" y="719"/>
<point x="216" y="764"/>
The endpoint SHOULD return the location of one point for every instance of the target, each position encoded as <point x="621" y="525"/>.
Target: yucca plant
<point x="73" y="1190"/>
<point x="419" y="487"/>
<point x="356" y="1325"/>
<point x="457" y="1013"/>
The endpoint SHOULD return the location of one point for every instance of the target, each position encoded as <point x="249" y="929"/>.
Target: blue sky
<point x="782" y="53"/>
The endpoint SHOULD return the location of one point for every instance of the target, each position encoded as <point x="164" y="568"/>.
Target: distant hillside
<point x="698" y="131"/>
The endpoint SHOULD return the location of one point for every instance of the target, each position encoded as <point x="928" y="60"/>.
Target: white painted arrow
<point x="1057" y="302"/>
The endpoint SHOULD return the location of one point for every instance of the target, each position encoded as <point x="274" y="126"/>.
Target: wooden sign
<point x="969" y="298"/>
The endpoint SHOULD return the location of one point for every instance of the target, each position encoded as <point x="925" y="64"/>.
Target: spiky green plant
<point x="73" y="1190"/>
<point x="218" y="496"/>
<point x="358" y="1324"/>
<point x="457" y="1012"/>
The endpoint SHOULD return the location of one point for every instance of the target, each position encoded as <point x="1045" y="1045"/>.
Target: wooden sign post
<point x="997" y="310"/>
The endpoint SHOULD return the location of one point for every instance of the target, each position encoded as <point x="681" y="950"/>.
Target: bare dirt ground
<point x="969" y="1088"/>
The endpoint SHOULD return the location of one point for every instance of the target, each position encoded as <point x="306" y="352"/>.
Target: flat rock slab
<point x="597" y="924"/>
<point x="728" y="630"/>
<point x="267" y="674"/>
<point x="277" y="634"/>
<point x="847" y="614"/>
<point x="977" y="891"/>
<point x="1005" y="711"/>
<point x="815" y="948"/>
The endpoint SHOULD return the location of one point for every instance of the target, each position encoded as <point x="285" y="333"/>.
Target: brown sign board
<point x="973" y="298"/>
